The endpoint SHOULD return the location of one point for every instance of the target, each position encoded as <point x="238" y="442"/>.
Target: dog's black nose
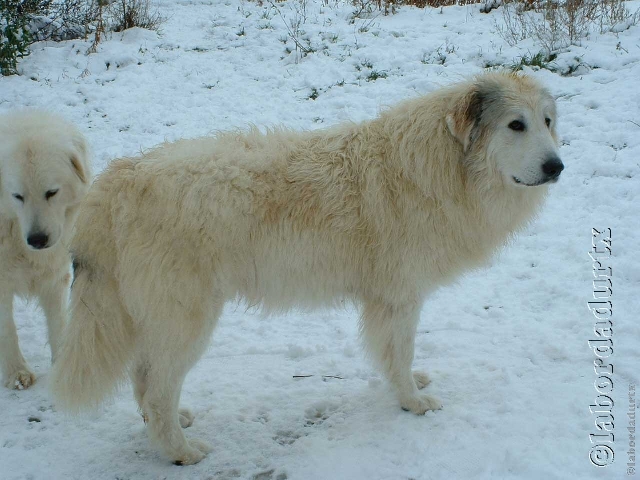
<point x="552" y="167"/>
<point x="38" y="240"/>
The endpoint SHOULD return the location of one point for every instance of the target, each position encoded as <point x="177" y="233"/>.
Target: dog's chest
<point x="24" y="273"/>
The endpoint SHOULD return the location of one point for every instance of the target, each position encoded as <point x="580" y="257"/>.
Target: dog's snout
<point x="553" y="167"/>
<point x="38" y="240"/>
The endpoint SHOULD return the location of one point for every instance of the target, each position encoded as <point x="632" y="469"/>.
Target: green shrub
<point x="14" y="35"/>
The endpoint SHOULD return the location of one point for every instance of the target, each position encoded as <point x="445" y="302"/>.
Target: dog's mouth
<point x="552" y="179"/>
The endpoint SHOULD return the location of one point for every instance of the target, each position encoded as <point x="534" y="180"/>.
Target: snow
<point x="506" y="346"/>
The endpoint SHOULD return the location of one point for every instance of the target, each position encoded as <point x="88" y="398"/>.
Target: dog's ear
<point x="464" y="116"/>
<point x="79" y="160"/>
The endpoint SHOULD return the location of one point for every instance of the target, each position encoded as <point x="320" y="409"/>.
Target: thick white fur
<point x="39" y="152"/>
<point x="381" y="213"/>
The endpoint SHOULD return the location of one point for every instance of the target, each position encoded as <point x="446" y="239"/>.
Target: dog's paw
<point x="20" y="379"/>
<point x="201" y="445"/>
<point x="420" y="404"/>
<point x="185" y="416"/>
<point x="194" y="453"/>
<point x="421" y="379"/>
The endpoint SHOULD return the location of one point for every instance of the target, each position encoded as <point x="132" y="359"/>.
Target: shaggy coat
<point x="380" y="213"/>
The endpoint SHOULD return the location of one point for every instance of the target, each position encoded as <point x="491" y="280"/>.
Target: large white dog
<point x="44" y="174"/>
<point x="381" y="213"/>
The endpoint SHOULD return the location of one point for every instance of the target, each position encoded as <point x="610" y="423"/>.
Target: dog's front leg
<point x="15" y="371"/>
<point x="53" y="300"/>
<point x="389" y="333"/>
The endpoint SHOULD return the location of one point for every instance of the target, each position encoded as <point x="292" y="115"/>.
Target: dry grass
<point x="135" y="13"/>
<point x="556" y="25"/>
<point x="440" y="3"/>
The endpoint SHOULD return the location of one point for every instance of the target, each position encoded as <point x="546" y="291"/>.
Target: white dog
<point x="381" y="213"/>
<point x="44" y="173"/>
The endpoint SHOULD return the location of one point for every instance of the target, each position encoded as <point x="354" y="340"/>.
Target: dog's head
<point x="44" y="173"/>
<point x="510" y="121"/>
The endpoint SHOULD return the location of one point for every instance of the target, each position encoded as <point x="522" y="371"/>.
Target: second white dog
<point x="44" y="174"/>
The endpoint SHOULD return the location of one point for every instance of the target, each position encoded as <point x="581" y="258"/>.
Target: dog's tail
<point x="99" y="340"/>
<point x="97" y="344"/>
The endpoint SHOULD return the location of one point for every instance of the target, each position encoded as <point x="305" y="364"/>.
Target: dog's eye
<point x="516" y="126"/>
<point x="50" y="193"/>
<point x="19" y="197"/>
<point x="547" y="121"/>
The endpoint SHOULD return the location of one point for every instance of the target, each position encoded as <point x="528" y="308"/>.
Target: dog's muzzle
<point x="551" y="170"/>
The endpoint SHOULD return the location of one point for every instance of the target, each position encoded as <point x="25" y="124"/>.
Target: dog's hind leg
<point x="389" y="333"/>
<point x="161" y="402"/>
<point x="138" y="374"/>
<point x="185" y="336"/>
<point x="139" y="380"/>
<point x="14" y="368"/>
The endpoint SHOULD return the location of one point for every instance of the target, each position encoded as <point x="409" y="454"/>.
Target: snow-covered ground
<point x="507" y="346"/>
